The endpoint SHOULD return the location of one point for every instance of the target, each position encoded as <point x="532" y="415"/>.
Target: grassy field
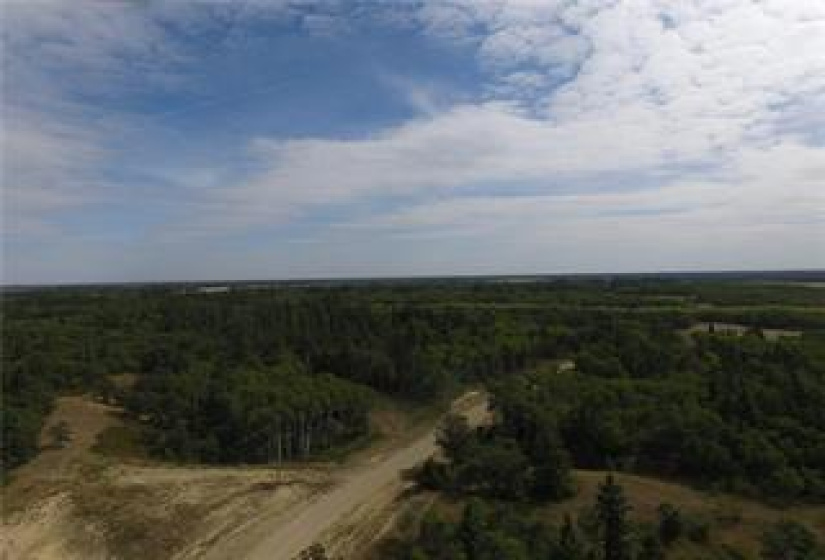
<point x="735" y="523"/>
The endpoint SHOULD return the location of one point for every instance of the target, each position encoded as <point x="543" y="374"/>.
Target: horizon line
<point x="414" y="277"/>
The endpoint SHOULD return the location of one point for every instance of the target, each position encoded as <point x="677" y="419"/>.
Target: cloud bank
<point x="649" y="129"/>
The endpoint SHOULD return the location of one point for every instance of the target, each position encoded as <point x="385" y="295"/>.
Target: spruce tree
<point x="612" y="508"/>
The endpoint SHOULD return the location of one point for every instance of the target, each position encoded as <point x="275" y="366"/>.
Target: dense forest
<point x="266" y="414"/>
<point x="272" y="374"/>
<point x="311" y="356"/>
<point x="717" y="414"/>
<point x="732" y="413"/>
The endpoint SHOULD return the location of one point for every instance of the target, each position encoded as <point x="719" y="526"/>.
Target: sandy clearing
<point x="70" y="503"/>
<point x="86" y="419"/>
<point x="43" y="532"/>
<point x="374" y="485"/>
<point x="37" y="511"/>
<point x="133" y="512"/>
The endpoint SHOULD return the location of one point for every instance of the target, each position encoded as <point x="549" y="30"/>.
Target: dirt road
<point x="379" y="480"/>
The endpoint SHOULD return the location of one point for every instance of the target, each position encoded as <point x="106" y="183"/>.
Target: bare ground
<point x="350" y="515"/>
<point x="73" y="503"/>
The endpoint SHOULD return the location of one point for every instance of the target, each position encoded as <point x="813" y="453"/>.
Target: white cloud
<point x="56" y="143"/>
<point x="744" y="194"/>
<point x="48" y="166"/>
<point x="737" y="219"/>
<point x="661" y="86"/>
<point x="468" y="144"/>
<point x="727" y="95"/>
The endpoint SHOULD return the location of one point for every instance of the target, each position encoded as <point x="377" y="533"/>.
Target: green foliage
<point x="696" y="529"/>
<point x="520" y="458"/>
<point x="485" y="531"/>
<point x="789" y="540"/>
<point x="671" y="525"/>
<point x="249" y="415"/>
<point x="730" y="413"/>
<point x="455" y="436"/>
<point x="57" y="341"/>
<point x="650" y="548"/>
<point x="491" y="530"/>
<point x="744" y="416"/>
<point x="571" y="546"/>
<point x="612" y="509"/>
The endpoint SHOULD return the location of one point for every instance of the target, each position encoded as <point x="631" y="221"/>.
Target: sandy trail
<point x="379" y="481"/>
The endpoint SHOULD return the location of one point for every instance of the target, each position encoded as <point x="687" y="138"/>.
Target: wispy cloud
<point x="58" y="60"/>
<point x="656" y="87"/>
<point x="719" y="102"/>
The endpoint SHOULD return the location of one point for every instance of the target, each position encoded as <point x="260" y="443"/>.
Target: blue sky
<point x="278" y="139"/>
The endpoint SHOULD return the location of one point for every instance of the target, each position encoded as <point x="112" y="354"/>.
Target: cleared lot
<point x="361" y="491"/>
<point x="72" y="503"/>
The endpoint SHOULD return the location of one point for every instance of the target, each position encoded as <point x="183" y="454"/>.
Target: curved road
<point x="285" y="539"/>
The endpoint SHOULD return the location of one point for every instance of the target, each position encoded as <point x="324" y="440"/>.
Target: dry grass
<point x="136" y="522"/>
<point x="735" y="521"/>
<point x="54" y="468"/>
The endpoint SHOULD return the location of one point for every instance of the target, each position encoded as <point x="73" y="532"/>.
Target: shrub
<point x="789" y="540"/>
<point x="671" y="525"/>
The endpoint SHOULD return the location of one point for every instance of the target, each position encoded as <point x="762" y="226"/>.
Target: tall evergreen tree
<point x="612" y="509"/>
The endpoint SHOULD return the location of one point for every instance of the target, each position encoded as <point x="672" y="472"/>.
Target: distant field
<point x="739" y="330"/>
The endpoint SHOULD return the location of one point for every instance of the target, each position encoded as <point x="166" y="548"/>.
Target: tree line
<point x="192" y="352"/>
<point x="271" y="375"/>
<point x="250" y="415"/>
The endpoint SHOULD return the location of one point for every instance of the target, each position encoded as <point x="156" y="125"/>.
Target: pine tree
<point x="552" y="462"/>
<point x="473" y="527"/>
<point x="612" y="509"/>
